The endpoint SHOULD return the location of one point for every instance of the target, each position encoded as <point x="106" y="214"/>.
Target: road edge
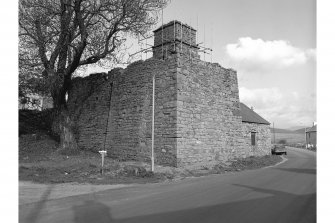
<point x="284" y="159"/>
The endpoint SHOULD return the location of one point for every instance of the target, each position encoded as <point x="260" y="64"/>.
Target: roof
<point x="311" y="129"/>
<point x="248" y="115"/>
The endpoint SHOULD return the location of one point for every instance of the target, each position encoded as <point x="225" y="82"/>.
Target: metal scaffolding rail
<point x="201" y="47"/>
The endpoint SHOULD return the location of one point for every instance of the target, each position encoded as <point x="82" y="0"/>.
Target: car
<point x="278" y="149"/>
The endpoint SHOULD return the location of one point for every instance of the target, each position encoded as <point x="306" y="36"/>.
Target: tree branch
<point x="41" y="44"/>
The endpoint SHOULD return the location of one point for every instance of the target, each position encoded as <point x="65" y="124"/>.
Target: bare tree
<point x="56" y="37"/>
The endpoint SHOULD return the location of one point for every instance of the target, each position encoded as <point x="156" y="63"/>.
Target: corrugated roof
<point x="250" y="116"/>
<point x="311" y="129"/>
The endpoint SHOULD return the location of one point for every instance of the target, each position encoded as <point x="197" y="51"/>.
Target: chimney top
<point x="173" y="38"/>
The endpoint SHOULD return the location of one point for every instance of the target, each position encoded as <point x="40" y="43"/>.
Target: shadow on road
<point x="296" y="170"/>
<point x="32" y="217"/>
<point x="92" y="211"/>
<point x="278" y="206"/>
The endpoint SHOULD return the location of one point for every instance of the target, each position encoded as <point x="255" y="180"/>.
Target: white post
<point x="102" y="162"/>
<point x="153" y="124"/>
<point x="103" y="154"/>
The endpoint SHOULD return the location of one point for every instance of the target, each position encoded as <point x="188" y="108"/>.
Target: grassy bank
<point x="40" y="162"/>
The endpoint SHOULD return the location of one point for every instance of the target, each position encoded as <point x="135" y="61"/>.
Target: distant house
<point x="35" y="102"/>
<point x="256" y="130"/>
<point x="311" y="137"/>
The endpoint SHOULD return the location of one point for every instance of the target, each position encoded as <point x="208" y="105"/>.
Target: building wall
<point x="208" y="98"/>
<point x="129" y="104"/>
<point x="263" y="139"/>
<point x="311" y="138"/>
<point x="130" y="123"/>
<point x="197" y="115"/>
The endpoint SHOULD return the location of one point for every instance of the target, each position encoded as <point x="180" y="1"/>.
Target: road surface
<point x="283" y="193"/>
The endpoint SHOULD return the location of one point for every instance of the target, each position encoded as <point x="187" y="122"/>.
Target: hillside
<point x="283" y="131"/>
<point x="302" y="131"/>
<point x="295" y="128"/>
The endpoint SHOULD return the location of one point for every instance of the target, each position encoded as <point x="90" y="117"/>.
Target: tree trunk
<point x="63" y="125"/>
<point x="68" y="143"/>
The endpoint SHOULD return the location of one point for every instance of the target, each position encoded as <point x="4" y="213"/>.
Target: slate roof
<point x="311" y="129"/>
<point x="250" y="116"/>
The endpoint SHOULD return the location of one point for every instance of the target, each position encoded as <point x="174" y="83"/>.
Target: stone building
<point x="198" y="114"/>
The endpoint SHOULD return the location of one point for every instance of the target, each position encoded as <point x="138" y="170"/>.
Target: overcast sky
<point x="271" y="44"/>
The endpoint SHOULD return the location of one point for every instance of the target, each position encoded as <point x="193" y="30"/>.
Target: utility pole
<point x="274" y="134"/>
<point x="153" y="125"/>
<point x="305" y="137"/>
<point x="104" y="151"/>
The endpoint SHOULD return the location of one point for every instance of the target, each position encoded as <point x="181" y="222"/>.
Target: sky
<point x="270" y="43"/>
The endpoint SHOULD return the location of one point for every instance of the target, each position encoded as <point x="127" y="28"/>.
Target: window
<point x="253" y="138"/>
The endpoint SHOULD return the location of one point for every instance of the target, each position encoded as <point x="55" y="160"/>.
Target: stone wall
<point x="130" y="122"/>
<point x="196" y="113"/>
<point x="263" y="139"/>
<point x="175" y="30"/>
<point x="88" y="103"/>
<point x="208" y="98"/>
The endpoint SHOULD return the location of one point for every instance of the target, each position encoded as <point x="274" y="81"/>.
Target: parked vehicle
<point x="278" y="149"/>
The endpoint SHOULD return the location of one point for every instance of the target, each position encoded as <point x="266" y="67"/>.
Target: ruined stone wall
<point x="263" y="139"/>
<point x="124" y="98"/>
<point x="88" y="103"/>
<point x="208" y="100"/>
<point x="196" y="113"/>
<point x="130" y="121"/>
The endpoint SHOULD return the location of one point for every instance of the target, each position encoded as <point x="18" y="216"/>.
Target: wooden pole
<point x="305" y="137"/>
<point x="102" y="163"/>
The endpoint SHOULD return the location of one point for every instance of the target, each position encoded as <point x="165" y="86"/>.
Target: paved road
<point x="283" y="193"/>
